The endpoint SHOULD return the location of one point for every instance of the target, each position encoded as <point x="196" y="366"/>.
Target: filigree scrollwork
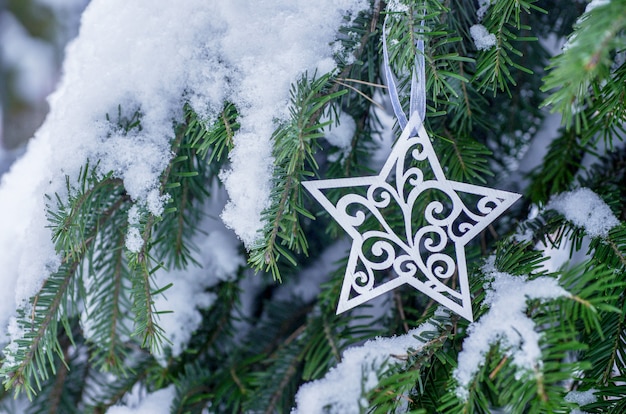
<point x="421" y="225"/>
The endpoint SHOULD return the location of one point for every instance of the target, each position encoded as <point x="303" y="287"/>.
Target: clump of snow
<point x="155" y="205"/>
<point x="151" y="71"/>
<point x="573" y="38"/>
<point x="14" y="330"/>
<point x="134" y="241"/>
<point x="581" y="398"/>
<point x="341" y="391"/>
<point x="134" y="215"/>
<point x="397" y="6"/>
<point x="150" y="57"/>
<point x="482" y="38"/>
<point x="505" y="323"/>
<point x="158" y="402"/>
<point x="596" y="3"/>
<point x="155" y="202"/>
<point x="341" y="135"/>
<point x="584" y="208"/>
<point x="271" y="44"/>
<point x="483" y="7"/>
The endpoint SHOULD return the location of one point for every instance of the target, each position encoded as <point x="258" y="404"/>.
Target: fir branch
<point x="106" y="301"/>
<point x="255" y="361"/>
<point x="611" y="251"/>
<point x="191" y="391"/>
<point x="94" y="208"/>
<point x="329" y="334"/>
<point x="110" y="390"/>
<point x="215" y="140"/>
<point x="277" y="383"/>
<point x="278" y="394"/>
<point x="586" y="62"/>
<point x="145" y="315"/>
<point x="63" y="393"/>
<point x="56" y="393"/>
<point x="56" y="399"/>
<point x="186" y="181"/>
<point x="54" y="300"/>
<point x="494" y="66"/>
<point x="605" y="117"/>
<point x="40" y="341"/>
<point x="410" y="377"/>
<point x="293" y="153"/>
<point x="372" y="101"/>
<point x="543" y="389"/>
<point x="331" y="341"/>
<point x="401" y="313"/>
<point x="560" y="165"/>
<point x="599" y="320"/>
<point x="71" y="219"/>
<point x="213" y="347"/>
<point x="141" y="263"/>
<point x="469" y="109"/>
<point x="441" y="53"/>
<point x="466" y="159"/>
<point x="219" y="321"/>
<point x="229" y="126"/>
<point x="293" y="150"/>
<point x="616" y="354"/>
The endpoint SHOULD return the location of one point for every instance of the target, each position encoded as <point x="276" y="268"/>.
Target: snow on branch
<point x="133" y="61"/>
<point x="585" y="209"/>
<point x="343" y="388"/>
<point x="271" y="45"/>
<point x="505" y="323"/>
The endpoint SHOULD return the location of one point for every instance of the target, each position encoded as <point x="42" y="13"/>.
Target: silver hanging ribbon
<point x="417" y="100"/>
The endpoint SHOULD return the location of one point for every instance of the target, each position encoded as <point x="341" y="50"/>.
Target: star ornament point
<point x="397" y="240"/>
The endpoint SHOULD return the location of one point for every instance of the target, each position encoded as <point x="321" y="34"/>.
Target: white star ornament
<point x="400" y="244"/>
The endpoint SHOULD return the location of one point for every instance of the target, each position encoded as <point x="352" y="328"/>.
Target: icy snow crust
<point x="152" y="56"/>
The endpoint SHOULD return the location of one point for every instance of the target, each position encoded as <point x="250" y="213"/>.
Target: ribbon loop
<point x="417" y="99"/>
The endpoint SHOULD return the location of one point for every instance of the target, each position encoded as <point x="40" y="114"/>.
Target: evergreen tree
<point x="506" y="108"/>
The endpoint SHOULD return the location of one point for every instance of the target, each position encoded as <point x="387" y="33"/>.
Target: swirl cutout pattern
<point x="425" y="253"/>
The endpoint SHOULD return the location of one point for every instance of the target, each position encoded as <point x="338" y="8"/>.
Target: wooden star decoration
<point x="396" y="240"/>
